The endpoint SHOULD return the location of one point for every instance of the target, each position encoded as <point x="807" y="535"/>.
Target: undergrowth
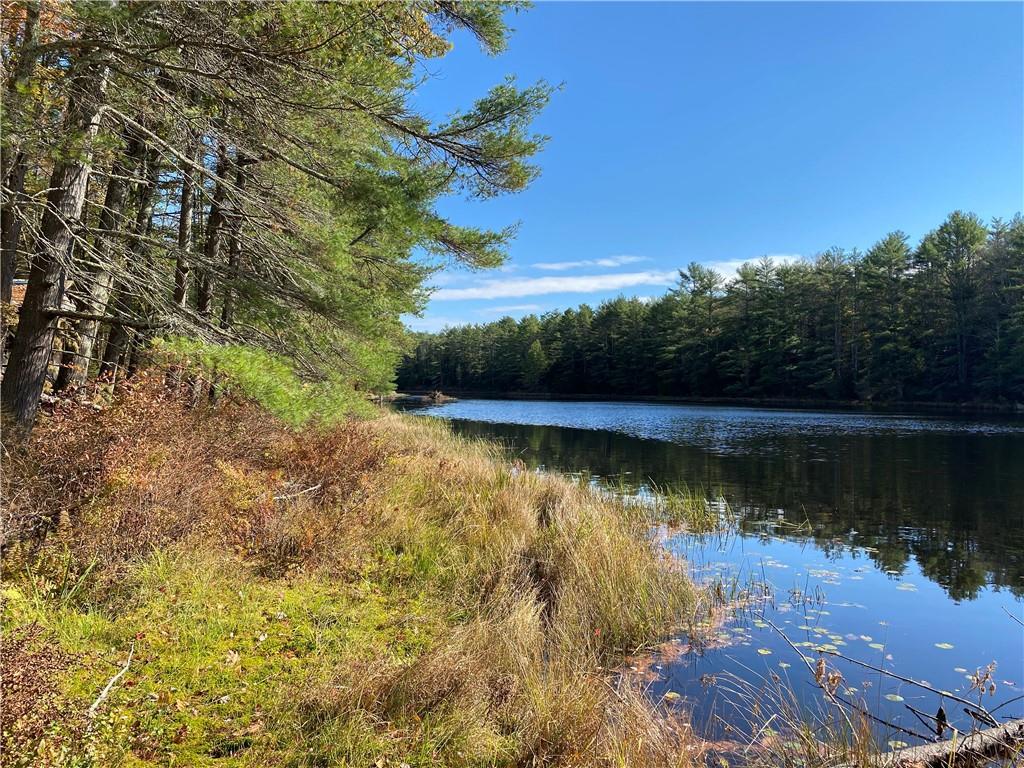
<point x="371" y="593"/>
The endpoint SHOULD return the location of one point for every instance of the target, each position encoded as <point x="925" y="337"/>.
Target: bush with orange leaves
<point x="111" y="485"/>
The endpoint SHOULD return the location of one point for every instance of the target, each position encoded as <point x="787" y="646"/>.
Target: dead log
<point x="978" y="748"/>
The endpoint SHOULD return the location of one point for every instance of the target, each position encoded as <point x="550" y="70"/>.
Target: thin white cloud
<point x="510" y="308"/>
<point x="611" y="261"/>
<point x="432" y="324"/>
<point x="441" y="279"/>
<point x="728" y="267"/>
<point x="540" y="286"/>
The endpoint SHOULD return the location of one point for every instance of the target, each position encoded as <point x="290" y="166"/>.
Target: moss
<point x="445" y="610"/>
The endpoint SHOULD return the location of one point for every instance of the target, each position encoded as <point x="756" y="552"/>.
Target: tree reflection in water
<point x="953" y="501"/>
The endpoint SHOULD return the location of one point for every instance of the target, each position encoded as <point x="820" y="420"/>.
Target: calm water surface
<point x="897" y="540"/>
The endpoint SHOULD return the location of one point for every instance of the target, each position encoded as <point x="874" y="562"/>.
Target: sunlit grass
<point x="438" y="607"/>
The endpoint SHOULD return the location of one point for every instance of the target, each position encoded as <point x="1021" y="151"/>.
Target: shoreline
<point x="369" y="592"/>
<point x="779" y="403"/>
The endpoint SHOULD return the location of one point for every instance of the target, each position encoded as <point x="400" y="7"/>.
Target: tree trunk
<point x="977" y="749"/>
<point x="10" y="225"/>
<point x="113" y="353"/>
<point x="183" y="265"/>
<point x="122" y="337"/>
<point x="183" y="262"/>
<point x="13" y="161"/>
<point x="214" y="236"/>
<point x="26" y="371"/>
<point x="211" y="254"/>
<point x="234" y="249"/>
<point x="75" y="366"/>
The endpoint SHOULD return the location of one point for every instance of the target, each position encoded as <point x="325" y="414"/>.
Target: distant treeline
<point x="940" y="322"/>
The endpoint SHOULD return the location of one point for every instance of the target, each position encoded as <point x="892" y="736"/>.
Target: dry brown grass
<point x="151" y="472"/>
<point x="555" y="583"/>
<point x="542" y="585"/>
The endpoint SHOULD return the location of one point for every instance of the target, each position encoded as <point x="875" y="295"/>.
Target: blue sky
<point x="721" y="132"/>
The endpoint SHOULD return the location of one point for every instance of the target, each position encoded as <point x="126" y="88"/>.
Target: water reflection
<point x="950" y="497"/>
<point x="894" y="541"/>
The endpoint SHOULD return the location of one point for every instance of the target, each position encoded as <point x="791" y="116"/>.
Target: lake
<point x="895" y="540"/>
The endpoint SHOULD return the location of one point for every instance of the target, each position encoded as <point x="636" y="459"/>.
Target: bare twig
<point x="982" y="718"/>
<point x="863" y="711"/>
<point x="300" y="493"/>
<point x="911" y="681"/>
<point x="832" y="697"/>
<point x="1015" y="618"/>
<point x="111" y="683"/>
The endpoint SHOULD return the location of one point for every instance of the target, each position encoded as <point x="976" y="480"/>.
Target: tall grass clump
<point x="692" y="508"/>
<point x="371" y="592"/>
<point x="782" y="731"/>
<point x="588" y="558"/>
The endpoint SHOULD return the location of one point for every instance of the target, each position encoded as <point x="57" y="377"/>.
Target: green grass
<point x="218" y="649"/>
<point x="444" y="609"/>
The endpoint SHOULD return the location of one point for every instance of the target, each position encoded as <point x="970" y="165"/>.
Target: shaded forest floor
<point x="210" y="587"/>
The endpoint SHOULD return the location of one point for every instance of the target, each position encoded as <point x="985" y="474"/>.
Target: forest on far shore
<point x="942" y="321"/>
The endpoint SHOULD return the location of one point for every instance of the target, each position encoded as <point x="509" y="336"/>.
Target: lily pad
<point x="764" y="651"/>
<point x="876" y="646"/>
<point x="893" y="697"/>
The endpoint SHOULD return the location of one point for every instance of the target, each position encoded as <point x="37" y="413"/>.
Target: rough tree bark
<point x="121" y="335"/>
<point x="234" y="247"/>
<point x="211" y="251"/>
<point x="975" y="749"/>
<point x="30" y="353"/>
<point x="75" y="364"/>
<point x="14" y="161"/>
<point x="214" y="236"/>
<point x="183" y="260"/>
<point x="183" y="265"/>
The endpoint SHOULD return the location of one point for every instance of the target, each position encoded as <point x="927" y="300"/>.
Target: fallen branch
<point x="111" y="683"/>
<point x="875" y="718"/>
<point x="1015" y="618"/>
<point x="1001" y="742"/>
<point x="983" y="719"/>
<point x="293" y="495"/>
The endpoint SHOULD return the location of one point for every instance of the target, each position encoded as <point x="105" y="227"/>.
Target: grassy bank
<point x="211" y="587"/>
